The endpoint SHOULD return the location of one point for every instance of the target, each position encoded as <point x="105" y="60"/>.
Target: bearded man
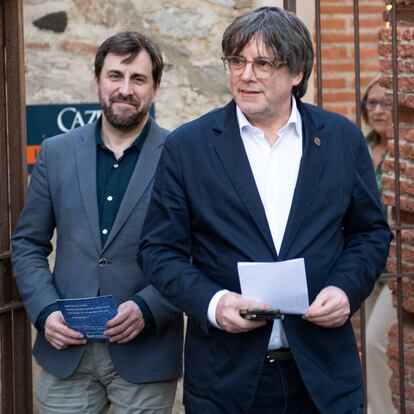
<point x="92" y="185"/>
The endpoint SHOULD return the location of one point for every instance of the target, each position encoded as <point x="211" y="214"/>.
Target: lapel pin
<point x="317" y="141"/>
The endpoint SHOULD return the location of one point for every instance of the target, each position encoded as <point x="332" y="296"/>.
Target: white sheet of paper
<point x="282" y="285"/>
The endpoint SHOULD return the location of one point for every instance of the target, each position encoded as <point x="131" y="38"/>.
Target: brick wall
<point x="337" y="32"/>
<point x="338" y="54"/>
<point x="405" y="37"/>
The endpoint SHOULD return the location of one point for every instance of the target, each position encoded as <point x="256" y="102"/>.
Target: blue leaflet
<point x="88" y="315"/>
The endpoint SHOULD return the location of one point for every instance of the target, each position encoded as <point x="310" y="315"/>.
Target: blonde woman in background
<point x="376" y="113"/>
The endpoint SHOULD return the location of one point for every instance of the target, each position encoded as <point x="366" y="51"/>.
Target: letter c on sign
<point x="77" y="119"/>
<point x="61" y="126"/>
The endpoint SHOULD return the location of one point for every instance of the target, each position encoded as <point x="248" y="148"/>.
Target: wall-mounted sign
<point x="45" y="121"/>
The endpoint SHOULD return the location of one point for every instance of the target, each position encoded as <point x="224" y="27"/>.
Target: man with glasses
<point x="267" y="178"/>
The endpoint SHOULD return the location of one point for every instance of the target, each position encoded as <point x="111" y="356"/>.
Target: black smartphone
<point x="261" y="314"/>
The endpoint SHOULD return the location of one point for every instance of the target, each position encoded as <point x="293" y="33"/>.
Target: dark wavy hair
<point x="282" y="32"/>
<point x="130" y="43"/>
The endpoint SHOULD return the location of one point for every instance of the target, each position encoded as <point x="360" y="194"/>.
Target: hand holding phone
<point x="260" y="314"/>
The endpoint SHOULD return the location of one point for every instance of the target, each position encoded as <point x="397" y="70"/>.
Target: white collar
<point x="294" y="119"/>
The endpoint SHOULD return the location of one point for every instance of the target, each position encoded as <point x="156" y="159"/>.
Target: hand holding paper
<point x="59" y="335"/>
<point x="281" y="285"/>
<point x="228" y="313"/>
<point x="330" y="309"/>
<point x="127" y="324"/>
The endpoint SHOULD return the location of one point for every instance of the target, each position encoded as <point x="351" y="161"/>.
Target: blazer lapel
<point x="141" y="178"/>
<point x="314" y="150"/>
<point x="229" y="147"/>
<point x="86" y="166"/>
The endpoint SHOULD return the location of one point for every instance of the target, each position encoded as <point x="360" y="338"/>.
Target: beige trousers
<point x="95" y="387"/>
<point x="380" y="316"/>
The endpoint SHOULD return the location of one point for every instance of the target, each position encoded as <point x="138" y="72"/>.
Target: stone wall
<point x="59" y="62"/>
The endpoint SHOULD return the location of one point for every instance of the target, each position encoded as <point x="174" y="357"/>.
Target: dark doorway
<point x="15" y="343"/>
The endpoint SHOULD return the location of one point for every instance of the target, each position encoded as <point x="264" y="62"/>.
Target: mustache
<point x="124" y="99"/>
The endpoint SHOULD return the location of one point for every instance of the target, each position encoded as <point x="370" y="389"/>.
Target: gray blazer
<point x="62" y="196"/>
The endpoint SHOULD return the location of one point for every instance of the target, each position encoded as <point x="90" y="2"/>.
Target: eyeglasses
<point x="263" y="68"/>
<point x="371" y="104"/>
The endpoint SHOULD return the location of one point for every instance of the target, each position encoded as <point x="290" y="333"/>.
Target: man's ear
<point x="297" y="79"/>
<point x="156" y="89"/>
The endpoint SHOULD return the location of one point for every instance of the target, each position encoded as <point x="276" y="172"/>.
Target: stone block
<point x="56" y="22"/>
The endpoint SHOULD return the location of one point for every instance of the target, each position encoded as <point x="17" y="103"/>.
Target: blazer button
<point x="103" y="262"/>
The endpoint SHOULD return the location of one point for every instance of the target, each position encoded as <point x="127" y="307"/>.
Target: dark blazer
<point x="206" y="215"/>
<point x="63" y="196"/>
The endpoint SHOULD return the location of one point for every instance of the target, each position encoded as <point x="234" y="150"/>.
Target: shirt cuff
<point x="211" y="312"/>
<point x="145" y="310"/>
<point x="44" y="314"/>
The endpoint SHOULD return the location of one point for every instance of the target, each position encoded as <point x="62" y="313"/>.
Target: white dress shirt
<point x="275" y="169"/>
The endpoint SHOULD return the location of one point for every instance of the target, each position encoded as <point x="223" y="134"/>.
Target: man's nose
<point x="248" y="73"/>
<point x="125" y="88"/>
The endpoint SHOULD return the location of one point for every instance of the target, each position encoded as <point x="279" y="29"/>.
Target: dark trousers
<point x="281" y="390"/>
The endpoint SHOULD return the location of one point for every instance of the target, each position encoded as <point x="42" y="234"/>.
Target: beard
<point x="127" y="122"/>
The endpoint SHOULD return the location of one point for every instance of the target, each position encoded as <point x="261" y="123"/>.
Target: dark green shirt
<point x="113" y="176"/>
